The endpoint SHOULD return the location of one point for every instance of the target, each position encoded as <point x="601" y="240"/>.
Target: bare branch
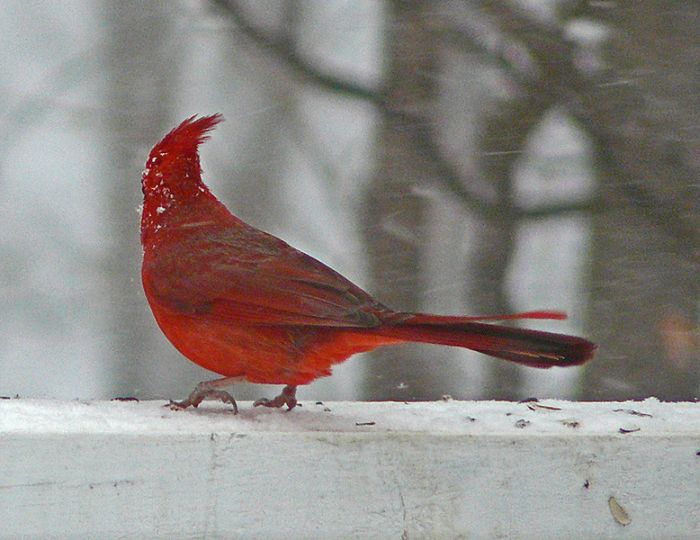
<point x="559" y="76"/>
<point x="423" y="140"/>
<point x="282" y="49"/>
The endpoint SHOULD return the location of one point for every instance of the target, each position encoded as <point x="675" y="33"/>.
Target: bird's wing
<point x="244" y="275"/>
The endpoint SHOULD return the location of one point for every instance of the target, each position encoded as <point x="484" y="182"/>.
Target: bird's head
<point x="172" y="172"/>
<point x="172" y="178"/>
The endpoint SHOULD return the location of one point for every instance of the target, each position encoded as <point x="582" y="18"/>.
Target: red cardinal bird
<point x="247" y="305"/>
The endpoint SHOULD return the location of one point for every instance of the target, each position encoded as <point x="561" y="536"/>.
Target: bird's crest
<point x="188" y="135"/>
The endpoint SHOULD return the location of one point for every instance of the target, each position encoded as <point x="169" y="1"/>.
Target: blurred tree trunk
<point x="501" y="142"/>
<point x="139" y="93"/>
<point x="504" y="128"/>
<point x="645" y="282"/>
<point x="639" y="106"/>
<point x="395" y="214"/>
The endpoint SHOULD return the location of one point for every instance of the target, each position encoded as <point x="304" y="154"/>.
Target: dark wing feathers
<point x="247" y="276"/>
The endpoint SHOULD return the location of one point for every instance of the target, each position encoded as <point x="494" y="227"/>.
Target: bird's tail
<point x="533" y="348"/>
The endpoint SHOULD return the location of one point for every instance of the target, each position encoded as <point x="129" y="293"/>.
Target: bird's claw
<point x="180" y="405"/>
<point x="199" y="394"/>
<point x="287" y="397"/>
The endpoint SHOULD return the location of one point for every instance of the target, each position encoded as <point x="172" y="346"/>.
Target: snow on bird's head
<point x="175" y="159"/>
<point x="172" y="174"/>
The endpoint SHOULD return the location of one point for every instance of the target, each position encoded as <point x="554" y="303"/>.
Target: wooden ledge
<point x="550" y="469"/>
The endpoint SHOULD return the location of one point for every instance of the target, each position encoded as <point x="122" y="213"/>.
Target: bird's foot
<point x="288" y="397"/>
<point x="204" y="390"/>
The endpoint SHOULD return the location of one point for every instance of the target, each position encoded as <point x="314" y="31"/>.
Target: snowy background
<point x="458" y="157"/>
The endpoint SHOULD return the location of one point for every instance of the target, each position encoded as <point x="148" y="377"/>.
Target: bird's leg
<point x="288" y="397"/>
<point x="210" y="390"/>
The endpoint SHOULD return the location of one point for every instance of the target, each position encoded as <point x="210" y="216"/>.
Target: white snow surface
<point x="547" y="418"/>
<point x="447" y="469"/>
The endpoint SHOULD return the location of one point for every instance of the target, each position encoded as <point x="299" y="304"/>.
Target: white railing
<point x="551" y="469"/>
